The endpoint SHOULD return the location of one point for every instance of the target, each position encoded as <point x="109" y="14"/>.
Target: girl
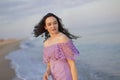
<point x="59" y="50"/>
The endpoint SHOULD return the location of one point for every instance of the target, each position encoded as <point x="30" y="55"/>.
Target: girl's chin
<point x="54" y="32"/>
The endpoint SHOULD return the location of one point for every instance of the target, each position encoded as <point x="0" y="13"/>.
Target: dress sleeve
<point x="69" y="50"/>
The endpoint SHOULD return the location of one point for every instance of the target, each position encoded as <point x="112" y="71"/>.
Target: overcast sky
<point x="18" y="17"/>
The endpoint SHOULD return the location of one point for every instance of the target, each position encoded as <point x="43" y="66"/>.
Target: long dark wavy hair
<point x="39" y="29"/>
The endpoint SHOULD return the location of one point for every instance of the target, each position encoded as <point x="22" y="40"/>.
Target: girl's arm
<point x="47" y="73"/>
<point x="73" y="69"/>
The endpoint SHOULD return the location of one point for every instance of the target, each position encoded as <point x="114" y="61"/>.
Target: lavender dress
<point x="57" y="55"/>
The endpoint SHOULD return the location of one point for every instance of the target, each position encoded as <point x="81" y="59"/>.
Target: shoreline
<point x="7" y="46"/>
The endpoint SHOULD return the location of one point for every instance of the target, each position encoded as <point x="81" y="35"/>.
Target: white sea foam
<point x="27" y="61"/>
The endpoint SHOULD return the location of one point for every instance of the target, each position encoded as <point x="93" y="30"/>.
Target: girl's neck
<point x="54" y="35"/>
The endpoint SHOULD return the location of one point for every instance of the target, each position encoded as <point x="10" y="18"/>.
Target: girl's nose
<point x="53" y="25"/>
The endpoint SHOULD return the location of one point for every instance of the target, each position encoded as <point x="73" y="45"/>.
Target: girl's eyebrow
<point x="51" y="22"/>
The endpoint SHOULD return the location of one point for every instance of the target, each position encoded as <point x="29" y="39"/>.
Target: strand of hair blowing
<point x="39" y="28"/>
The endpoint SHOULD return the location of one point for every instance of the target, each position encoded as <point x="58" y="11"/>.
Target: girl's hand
<point x="47" y="73"/>
<point x="45" y="77"/>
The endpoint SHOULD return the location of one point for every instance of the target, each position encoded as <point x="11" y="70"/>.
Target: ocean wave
<point x="28" y="61"/>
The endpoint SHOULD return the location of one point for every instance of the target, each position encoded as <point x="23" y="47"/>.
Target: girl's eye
<point x="55" y="22"/>
<point x="49" y="24"/>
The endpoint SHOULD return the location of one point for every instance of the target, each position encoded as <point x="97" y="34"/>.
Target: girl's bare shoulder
<point x="63" y="38"/>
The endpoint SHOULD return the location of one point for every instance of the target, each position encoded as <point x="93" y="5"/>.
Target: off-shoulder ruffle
<point x="58" y="51"/>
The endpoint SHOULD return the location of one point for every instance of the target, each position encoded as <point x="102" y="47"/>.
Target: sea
<point x="99" y="57"/>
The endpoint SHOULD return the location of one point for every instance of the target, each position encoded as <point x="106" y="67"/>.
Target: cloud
<point x="23" y="14"/>
<point x="17" y="9"/>
<point x="20" y="28"/>
<point x="97" y="12"/>
<point x="9" y="7"/>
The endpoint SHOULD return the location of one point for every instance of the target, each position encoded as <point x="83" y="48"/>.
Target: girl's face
<point x="51" y="25"/>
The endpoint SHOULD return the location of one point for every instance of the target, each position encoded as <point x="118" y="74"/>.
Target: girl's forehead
<point x="50" y="19"/>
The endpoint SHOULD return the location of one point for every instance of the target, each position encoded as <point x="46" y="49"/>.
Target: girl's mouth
<point x="53" y="29"/>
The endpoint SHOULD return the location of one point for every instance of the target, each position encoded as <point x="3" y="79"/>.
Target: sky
<point x="85" y="17"/>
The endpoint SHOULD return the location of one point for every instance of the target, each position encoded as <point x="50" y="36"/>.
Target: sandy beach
<point x="7" y="46"/>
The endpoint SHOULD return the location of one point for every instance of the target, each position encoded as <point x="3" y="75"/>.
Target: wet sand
<point x="7" y="46"/>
